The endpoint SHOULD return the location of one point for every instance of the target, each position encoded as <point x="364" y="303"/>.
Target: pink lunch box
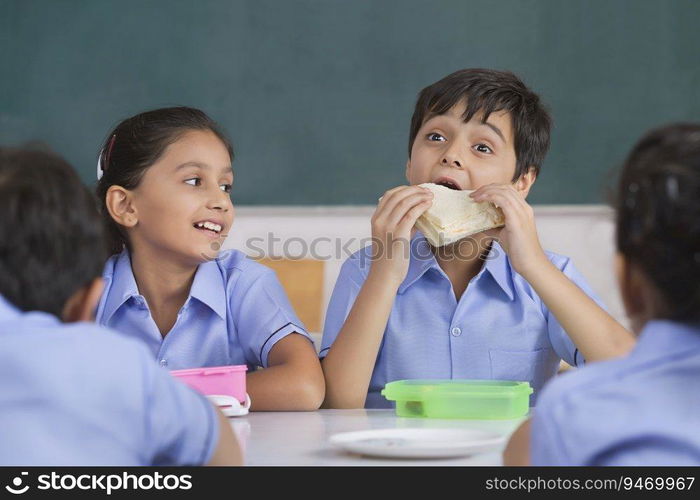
<point x="224" y="385"/>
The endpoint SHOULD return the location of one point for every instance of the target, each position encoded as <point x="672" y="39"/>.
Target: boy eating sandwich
<point x="492" y="305"/>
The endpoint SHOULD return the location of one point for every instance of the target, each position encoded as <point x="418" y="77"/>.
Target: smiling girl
<point x="165" y="183"/>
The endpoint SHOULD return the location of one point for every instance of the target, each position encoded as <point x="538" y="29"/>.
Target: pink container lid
<point x="210" y="370"/>
<point x="216" y="380"/>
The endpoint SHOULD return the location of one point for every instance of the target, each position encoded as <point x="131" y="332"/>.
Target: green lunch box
<point x="468" y="399"/>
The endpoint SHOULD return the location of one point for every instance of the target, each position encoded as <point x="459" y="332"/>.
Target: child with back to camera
<point x="75" y="393"/>
<point x="641" y="409"/>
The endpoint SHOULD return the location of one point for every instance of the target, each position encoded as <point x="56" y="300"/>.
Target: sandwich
<point x="454" y="215"/>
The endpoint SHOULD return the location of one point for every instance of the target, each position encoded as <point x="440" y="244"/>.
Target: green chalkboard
<point x="317" y="94"/>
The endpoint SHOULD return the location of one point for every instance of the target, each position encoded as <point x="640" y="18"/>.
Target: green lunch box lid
<point x="418" y="390"/>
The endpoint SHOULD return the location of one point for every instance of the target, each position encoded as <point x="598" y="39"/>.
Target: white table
<point x="301" y="438"/>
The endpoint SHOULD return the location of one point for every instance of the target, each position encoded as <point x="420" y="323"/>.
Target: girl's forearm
<point x="284" y="388"/>
<point x="293" y="380"/>
<point x="517" y="451"/>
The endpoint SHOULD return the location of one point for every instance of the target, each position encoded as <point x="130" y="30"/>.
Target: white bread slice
<point x="454" y="215"/>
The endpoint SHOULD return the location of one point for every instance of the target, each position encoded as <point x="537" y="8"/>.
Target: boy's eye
<point x="226" y="188"/>
<point x="195" y="181"/>
<point x="434" y="136"/>
<point x="483" y="148"/>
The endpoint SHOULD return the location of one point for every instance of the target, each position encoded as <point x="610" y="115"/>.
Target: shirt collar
<point x="663" y="338"/>
<point x="207" y="287"/>
<point x="122" y="286"/>
<point x="422" y="259"/>
<point x="498" y="265"/>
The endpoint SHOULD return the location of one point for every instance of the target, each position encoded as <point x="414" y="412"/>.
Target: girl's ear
<point x="82" y="304"/>
<point x="408" y="169"/>
<point x="525" y="182"/>
<point x="119" y="202"/>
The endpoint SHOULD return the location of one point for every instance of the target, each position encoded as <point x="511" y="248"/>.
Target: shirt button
<point x="456" y="332"/>
<point x="163" y="362"/>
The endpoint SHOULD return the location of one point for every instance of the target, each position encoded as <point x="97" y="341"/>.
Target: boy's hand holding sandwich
<point x="392" y="222"/>
<point x="519" y="236"/>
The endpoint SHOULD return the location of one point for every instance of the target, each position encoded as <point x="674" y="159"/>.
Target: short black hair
<point x="657" y="208"/>
<point x="134" y="145"/>
<point x="51" y="238"/>
<point x="488" y="91"/>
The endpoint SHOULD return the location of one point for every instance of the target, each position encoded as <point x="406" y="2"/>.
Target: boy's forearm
<point x="596" y="334"/>
<point x="349" y="364"/>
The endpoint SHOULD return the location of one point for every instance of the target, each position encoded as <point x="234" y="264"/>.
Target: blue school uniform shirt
<point x="499" y="329"/>
<point x="79" y="394"/>
<point x="235" y="313"/>
<point x="642" y="409"/>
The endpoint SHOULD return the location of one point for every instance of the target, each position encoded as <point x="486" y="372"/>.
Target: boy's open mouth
<point x="448" y="183"/>
<point x="210" y="226"/>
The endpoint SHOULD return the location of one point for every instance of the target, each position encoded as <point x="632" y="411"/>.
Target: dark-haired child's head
<point x="477" y="127"/>
<point x="166" y="174"/>
<point x="658" y="226"/>
<point x="51" y="241"/>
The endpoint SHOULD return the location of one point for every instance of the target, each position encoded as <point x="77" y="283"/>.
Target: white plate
<point x="418" y="443"/>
